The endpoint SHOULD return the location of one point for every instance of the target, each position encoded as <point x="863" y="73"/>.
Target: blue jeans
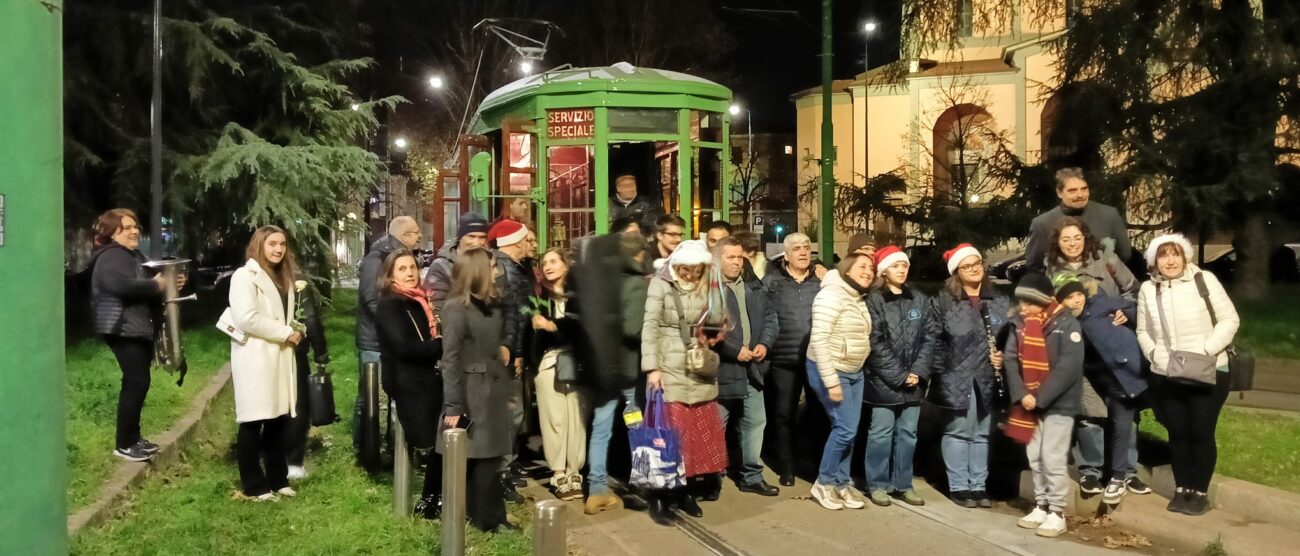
<point x="1089" y="450"/>
<point x="358" y="408"/>
<point x="602" y="431"/>
<point x="745" y="434"/>
<point x="965" y="447"/>
<point x="834" y="468"/>
<point x="891" y="445"/>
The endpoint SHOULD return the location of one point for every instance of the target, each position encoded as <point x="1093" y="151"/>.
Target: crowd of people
<point x="1062" y="364"/>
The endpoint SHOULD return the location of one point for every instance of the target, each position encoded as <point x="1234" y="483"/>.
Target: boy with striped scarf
<point x="1043" y="354"/>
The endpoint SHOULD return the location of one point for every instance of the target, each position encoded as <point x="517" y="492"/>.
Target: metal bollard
<point x="370" y="416"/>
<point x="455" y="449"/>
<point x="401" y="468"/>
<point x="549" y="528"/>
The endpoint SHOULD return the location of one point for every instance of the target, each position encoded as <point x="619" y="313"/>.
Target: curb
<point x="130" y="474"/>
<point x="1256" y="502"/>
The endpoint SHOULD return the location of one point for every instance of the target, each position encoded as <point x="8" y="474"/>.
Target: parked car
<point x="1283" y="265"/>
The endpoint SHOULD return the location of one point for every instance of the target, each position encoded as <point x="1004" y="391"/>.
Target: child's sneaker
<point x="1053" y="526"/>
<point x="1034" y="519"/>
<point x="1136" y="486"/>
<point x="1114" y="492"/>
<point x="827" y="496"/>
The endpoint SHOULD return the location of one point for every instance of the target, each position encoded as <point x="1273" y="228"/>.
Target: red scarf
<point x="1034" y="369"/>
<point x="422" y="297"/>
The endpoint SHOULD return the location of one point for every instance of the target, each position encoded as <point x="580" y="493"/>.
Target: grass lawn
<point x="340" y="509"/>
<point x="93" y="383"/>
<point x="1256" y="446"/>
<point x="1271" y="327"/>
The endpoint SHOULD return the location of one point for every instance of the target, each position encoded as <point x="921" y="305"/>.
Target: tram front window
<point x="570" y="194"/>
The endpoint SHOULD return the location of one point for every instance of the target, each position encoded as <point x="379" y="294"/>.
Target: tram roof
<point x="618" y="78"/>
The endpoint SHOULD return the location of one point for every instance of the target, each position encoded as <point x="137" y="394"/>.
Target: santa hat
<point x="1178" y="239"/>
<point x="507" y="232"/>
<point x="886" y="258"/>
<point x="957" y="254"/>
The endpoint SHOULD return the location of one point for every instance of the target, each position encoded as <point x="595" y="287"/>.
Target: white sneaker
<point x="1053" y="526"/>
<point x="852" y="500"/>
<point x="1114" y="492"/>
<point x="268" y="497"/>
<point x="297" y="472"/>
<point x="827" y="497"/>
<point x="286" y="491"/>
<point x="1034" y="519"/>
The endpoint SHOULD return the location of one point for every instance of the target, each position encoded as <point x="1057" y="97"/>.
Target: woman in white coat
<point x="262" y="306"/>
<point x="1174" y="315"/>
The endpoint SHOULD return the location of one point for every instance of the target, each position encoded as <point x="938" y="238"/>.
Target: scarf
<point x="422" y="297"/>
<point x="1034" y="369"/>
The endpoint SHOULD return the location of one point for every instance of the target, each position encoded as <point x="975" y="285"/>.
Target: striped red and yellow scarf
<point x="1034" y="368"/>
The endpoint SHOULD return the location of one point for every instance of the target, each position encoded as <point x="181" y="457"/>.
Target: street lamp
<point x="356" y="107"/>
<point x="735" y="110"/>
<point x="868" y="29"/>
<point x="436" y="82"/>
<point x="400" y="143"/>
<point x="526" y="67"/>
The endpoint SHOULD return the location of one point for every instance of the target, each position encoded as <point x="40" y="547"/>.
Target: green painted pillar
<point x="826" y="226"/>
<point x="33" y="517"/>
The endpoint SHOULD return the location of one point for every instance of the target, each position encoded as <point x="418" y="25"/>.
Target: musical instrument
<point x="169" y="351"/>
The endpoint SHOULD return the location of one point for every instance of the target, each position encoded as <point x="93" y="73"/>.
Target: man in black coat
<point x="1105" y="221"/>
<point x="403" y="233"/>
<point x="743" y="368"/>
<point x="628" y="203"/>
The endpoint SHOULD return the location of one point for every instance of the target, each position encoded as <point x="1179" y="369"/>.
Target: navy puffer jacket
<point x="961" y="362"/>
<point x="792" y="300"/>
<point x="904" y="331"/>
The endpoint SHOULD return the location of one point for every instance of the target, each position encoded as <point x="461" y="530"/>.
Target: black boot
<point x="687" y="504"/>
<point x="711" y="488"/>
<point x="429" y="507"/>
<point x="508" y="489"/>
<point x="657" y="502"/>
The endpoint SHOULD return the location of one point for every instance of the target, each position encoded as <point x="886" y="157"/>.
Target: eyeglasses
<point x="969" y="267"/>
<point x="673" y="234"/>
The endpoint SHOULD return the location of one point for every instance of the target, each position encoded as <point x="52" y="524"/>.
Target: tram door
<point x="570" y="194"/>
<point x="654" y="165"/>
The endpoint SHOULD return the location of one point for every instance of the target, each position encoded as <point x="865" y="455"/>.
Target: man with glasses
<point x="669" y="230"/>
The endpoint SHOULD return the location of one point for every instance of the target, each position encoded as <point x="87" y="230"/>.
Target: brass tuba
<point x="169" y="352"/>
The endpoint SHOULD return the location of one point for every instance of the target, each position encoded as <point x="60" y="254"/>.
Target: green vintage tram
<point x="546" y="148"/>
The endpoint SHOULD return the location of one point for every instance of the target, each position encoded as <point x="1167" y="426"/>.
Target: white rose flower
<point x="300" y="285"/>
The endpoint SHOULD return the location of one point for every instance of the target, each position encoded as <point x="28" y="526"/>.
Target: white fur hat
<point x="1178" y="239"/>
<point x="690" y="253"/>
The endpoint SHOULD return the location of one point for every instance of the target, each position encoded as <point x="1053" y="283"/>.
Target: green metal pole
<point x="826" y="226"/>
<point x="34" y="517"/>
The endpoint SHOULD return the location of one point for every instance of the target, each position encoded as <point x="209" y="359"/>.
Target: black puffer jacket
<point x="368" y="290"/>
<point x="904" y="331"/>
<point x="962" y="356"/>
<point x="124" y="300"/>
<point x="792" y="301"/>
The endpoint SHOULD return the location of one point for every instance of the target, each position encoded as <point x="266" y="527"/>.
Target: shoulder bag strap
<point x="682" y="326"/>
<point x="1164" y="324"/>
<point x="1205" y="295"/>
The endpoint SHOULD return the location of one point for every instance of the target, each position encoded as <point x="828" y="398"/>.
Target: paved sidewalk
<point x="792" y="524"/>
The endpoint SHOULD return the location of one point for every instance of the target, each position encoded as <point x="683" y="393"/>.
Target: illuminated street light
<point x="436" y="82"/>
<point x="526" y="67"/>
<point x="355" y="107"/>
<point x="400" y="142"/>
<point x="870" y="27"/>
<point x="734" y="109"/>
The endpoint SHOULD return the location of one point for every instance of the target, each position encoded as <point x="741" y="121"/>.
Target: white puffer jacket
<point x="841" y="329"/>
<point x="1187" y="317"/>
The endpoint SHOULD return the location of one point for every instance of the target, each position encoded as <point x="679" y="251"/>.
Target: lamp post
<point x="867" y="29"/>
<point x="735" y="110"/>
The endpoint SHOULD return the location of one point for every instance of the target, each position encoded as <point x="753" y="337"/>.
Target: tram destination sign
<point x="573" y="123"/>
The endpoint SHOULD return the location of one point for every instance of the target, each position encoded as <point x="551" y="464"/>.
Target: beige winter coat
<point x="661" y="342"/>
<point x="841" y="329"/>
<point x="263" y="368"/>
<point x="1188" y="319"/>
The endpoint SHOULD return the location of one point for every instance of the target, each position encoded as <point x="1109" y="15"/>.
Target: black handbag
<point x="1241" y="362"/>
<point x="320" y="397"/>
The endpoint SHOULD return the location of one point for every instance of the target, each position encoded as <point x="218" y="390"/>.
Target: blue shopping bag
<point x="656" y="450"/>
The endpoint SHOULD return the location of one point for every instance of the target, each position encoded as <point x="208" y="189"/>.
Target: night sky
<point x="777" y="55"/>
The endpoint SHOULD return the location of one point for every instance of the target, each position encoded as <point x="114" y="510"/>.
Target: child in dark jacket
<point x="1044" y="362"/>
<point x="1113" y="365"/>
<point x="904" y="334"/>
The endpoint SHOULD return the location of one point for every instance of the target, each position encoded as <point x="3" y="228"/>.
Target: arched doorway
<point x="963" y="139"/>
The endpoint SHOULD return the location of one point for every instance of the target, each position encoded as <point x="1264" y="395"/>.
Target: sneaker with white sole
<point x="1136" y="486"/>
<point x="134" y="453"/>
<point x="1034" y="519"/>
<point x="268" y="497"/>
<point x="286" y="491"/>
<point x="1053" y="526"/>
<point x="297" y="473"/>
<point x="1114" y="492"/>
<point x="147" y="447"/>
<point x="850" y="497"/>
<point x="827" y="496"/>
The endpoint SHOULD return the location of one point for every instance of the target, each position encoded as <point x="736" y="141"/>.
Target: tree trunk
<point x="1251" y="242"/>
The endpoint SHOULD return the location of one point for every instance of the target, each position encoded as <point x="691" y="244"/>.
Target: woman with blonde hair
<point x="262" y="367"/>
